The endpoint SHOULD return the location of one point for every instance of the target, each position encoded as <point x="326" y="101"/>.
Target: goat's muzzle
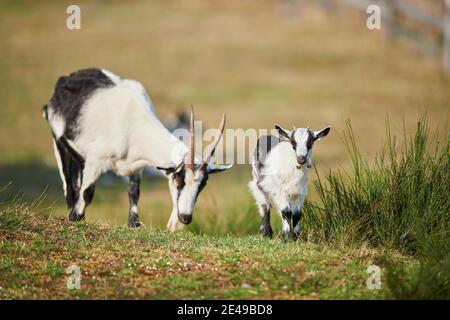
<point x="301" y="160"/>
<point x="185" y="218"/>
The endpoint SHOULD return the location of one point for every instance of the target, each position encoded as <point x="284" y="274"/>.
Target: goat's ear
<point x="214" y="168"/>
<point x="322" y="133"/>
<point x="171" y="169"/>
<point x="284" y="134"/>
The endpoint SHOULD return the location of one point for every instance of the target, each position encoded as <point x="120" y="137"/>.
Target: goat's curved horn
<point x="210" y="153"/>
<point x="191" y="156"/>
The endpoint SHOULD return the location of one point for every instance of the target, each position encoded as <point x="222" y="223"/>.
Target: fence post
<point x="446" y="37"/>
<point x="389" y="10"/>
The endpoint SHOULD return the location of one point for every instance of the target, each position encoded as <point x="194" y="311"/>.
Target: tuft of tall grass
<point x="15" y="213"/>
<point x="427" y="279"/>
<point x="400" y="201"/>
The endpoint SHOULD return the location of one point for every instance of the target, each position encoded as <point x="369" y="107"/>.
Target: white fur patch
<point x="286" y="227"/>
<point x="260" y="197"/>
<point x="57" y="123"/>
<point x="113" y="77"/>
<point x="281" y="181"/>
<point x="59" y="163"/>
<point x="301" y="137"/>
<point x="186" y="199"/>
<point x="118" y="130"/>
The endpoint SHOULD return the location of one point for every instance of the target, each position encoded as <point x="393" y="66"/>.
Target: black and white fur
<point x="101" y="122"/>
<point x="280" y="175"/>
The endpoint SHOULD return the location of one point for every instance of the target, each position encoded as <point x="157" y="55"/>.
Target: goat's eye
<point x="179" y="179"/>
<point x="293" y="143"/>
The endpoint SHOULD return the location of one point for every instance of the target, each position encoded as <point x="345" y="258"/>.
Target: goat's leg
<point x="296" y="216"/>
<point x="287" y="232"/>
<point x="133" y="196"/>
<point x="266" y="228"/>
<point x="90" y="174"/>
<point x="286" y="212"/>
<point x="173" y="224"/>
<point x="71" y="175"/>
<point x="263" y="203"/>
<point x="69" y="172"/>
<point x="62" y="168"/>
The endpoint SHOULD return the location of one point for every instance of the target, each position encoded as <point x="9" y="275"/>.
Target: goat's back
<point x="70" y="94"/>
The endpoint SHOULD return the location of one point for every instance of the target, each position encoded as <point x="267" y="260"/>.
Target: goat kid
<point x="280" y="175"/>
<point x="101" y="122"/>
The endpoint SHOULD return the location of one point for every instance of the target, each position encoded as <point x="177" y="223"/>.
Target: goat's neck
<point x="160" y="147"/>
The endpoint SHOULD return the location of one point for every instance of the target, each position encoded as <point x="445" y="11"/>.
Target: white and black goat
<point x="101" y="122"/>
<point x="280" y="175"/>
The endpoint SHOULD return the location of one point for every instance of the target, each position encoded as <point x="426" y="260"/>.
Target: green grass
<point x="261" y="66"/>
<point x="400" y="201"/>
<point x="357" y="222"/>
<point x="117" y="262"/>
<point x="396" y="201"/>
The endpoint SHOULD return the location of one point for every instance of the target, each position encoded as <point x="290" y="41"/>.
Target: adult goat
<point x="101" y="122"/>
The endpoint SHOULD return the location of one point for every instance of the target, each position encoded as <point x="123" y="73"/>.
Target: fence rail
<point x="392" y="10"/>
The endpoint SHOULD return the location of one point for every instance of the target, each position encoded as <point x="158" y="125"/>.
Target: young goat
<point x="280" y="174"/>
<point x="101" y="122"/>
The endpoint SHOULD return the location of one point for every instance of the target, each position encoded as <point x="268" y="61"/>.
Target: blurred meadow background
<point x="263" y="62"/>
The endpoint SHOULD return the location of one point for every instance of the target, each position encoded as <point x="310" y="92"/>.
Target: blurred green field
<point x="248" y="58"/>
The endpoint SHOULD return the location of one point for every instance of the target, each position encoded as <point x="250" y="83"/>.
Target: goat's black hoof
<point x="293" y="236"/>
<point x="73" y="216"/>
<point x="266" y="232"/>
<point x="289" y="237"/>
<point x="133" y="220"/>
<point x="134" y="223"/>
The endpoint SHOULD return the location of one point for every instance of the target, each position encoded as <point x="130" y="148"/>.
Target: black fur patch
<point x="293" y="142"/>
<point x="266" y="228"/>
<point x="72" y="91"/>
<point x="179" y="178"/>
<point x="296" y="216"/>
<point x="310" y="141"/>
<point x="286" y="214"/>
<point x="88" y="194"/>
<point x="71" y="170"/>
<point x="263" y="147"/>
<point x="134" y="191"/>
<point x="75" y="155"/>
<point x="202" y="185"/>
